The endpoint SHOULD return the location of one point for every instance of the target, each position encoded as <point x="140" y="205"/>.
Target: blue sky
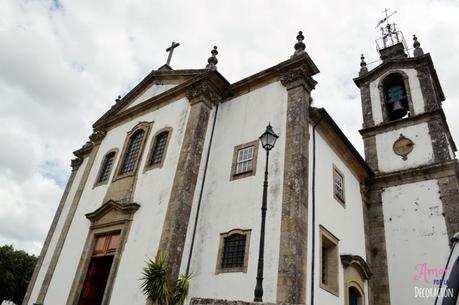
<point x="64" y="62"/>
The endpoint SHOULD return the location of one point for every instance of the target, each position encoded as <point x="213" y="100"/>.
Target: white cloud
<point x="64" y="62"/>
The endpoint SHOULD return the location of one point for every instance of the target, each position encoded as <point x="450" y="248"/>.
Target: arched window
<point x="354" y="296"/>
<point x="106" y="167"/>
<point x="396" y="97"/>
<point x="131" y="154"/>
<point x="159" y="149"/>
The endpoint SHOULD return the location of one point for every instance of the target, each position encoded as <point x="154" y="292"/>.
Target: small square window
<point x="233" y="251"/>
<point x="244" y="160"/>
<point x="338" y="185"/>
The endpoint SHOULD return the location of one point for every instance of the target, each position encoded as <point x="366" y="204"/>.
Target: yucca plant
<point x="157" y="286"/>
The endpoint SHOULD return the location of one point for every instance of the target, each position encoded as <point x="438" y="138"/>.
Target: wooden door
<point x="99" y="268"/>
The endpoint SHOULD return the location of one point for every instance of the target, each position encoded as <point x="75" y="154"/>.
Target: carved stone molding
<point x="357" y="262"/>
<point x="97" y="136"/>
<point x="75" y="163"/>
<point x="203" y="92"/>
<point x="299" y="76"/>
<point x="403" y="146"/>
<point x="112" y="211"/>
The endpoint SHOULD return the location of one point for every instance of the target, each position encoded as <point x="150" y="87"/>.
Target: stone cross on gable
<point x="171" y="51"/>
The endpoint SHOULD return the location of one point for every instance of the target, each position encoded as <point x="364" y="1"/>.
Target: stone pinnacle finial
<point x="363" y="65"/>
<point x="212" y="61"/>
<point x="417" y="47"/>
<point x="299" y="45"/>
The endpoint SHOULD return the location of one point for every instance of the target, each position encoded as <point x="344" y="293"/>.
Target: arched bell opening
<point x="395" y="97"/>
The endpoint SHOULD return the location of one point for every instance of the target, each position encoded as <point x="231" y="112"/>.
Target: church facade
<point x="176" y="167"/>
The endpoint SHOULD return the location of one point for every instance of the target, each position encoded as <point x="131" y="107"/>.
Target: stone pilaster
<point x="431" y="102"/>
<point x="367" y="112"/>
<point x="173" y="235"/>
<point x="440" y="143"/>
<point x="291" y="282"/>
<point x="89" y="150"/>
<point x="449" y="196"/>
<point x="371" y="153"/>
<point x="379" y="283"/>
<point x="75" y="166"/>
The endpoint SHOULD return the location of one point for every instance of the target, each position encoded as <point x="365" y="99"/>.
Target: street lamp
<point x="267" y="139"/>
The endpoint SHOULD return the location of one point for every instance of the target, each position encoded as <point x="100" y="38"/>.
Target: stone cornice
<point x="97" y="136"/>
<point x="153" y="76"/>
<point x="274" y="73"/>
<point x="411" y="175"/>
<point x="213" y="78"/>
<point x="75" y="163"/>
<point x="338" y="140"/>
<point x="94" y="139"/>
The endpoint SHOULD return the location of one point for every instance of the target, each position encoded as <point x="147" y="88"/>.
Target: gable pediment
<point x="112" y="212"/>
<point x="157" y="83"/>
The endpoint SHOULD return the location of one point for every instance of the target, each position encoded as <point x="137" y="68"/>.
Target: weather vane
<point x="389" y="31"/>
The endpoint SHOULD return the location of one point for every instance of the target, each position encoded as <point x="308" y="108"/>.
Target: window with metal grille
<point x="233" y="251"/>
<point x="106" y="167"/>
<point x="338" y="188"/>
<point x="159" y="148"/>
<point x="244" y="160"/>
<point x="132" y="152"/>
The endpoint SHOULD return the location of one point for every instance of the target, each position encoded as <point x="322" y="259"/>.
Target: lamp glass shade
<point x="268" y="138"/>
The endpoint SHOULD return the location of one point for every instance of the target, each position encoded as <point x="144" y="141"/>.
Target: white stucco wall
<point x="150" y="92"/>
<point x="57" y="233"/>
<point x="228" y="205"/>
<point x="415" y="234"/>
<point x="151" y="193"/>
<point x="346" y="223"/>
<point x="415" y="89"/>
<point x="422" y="153"/>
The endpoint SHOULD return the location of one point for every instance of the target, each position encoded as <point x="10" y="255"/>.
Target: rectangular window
<point x="233" y="252"/>
<point x="338" y="185"/>
<point x="244" y="160"/>
<point x="328" y="261"/>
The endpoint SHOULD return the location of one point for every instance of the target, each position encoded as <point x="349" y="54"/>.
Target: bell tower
<point x="413" y="199"/>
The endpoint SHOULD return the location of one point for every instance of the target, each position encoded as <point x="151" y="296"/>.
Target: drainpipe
<point x="313" y="207"/>
<point x="201" y="192"/>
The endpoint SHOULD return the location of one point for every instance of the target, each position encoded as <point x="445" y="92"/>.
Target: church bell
<point x="396" y="96"/>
